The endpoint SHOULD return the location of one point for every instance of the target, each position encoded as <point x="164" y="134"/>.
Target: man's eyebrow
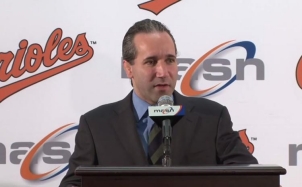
<point x="171" y="56"/>
<point x="150" y="57"/>
<point x="155" y="57"/>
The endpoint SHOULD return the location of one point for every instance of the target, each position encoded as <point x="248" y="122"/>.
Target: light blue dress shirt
<point x="143" y="124"/>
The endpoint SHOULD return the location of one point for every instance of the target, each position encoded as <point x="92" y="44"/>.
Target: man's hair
<point x="144" y="26"/>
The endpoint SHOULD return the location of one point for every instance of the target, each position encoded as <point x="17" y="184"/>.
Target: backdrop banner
<point x="61" y="59"/>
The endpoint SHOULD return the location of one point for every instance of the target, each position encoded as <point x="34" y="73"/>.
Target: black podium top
<point x="181" y="170"/>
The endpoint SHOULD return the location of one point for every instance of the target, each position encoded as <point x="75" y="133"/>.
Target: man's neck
<point x="143" y="99"/>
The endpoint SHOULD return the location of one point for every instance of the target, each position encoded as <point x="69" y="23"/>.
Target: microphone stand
<point x="167" y="137"/>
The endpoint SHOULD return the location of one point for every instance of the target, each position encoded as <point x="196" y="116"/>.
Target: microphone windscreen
<point x="165" y="100"/>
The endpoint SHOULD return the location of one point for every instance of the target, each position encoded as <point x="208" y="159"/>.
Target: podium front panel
<point x="182" y="181"/>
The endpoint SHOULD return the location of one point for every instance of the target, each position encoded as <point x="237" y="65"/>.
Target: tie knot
<point x="146" y="114"/>
<point x="144" y="117"/>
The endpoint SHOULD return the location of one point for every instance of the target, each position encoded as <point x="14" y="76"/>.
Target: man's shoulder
<point x="103" y="111"/>
<point x="109" y="109"/>
<point x="204" y="104"/>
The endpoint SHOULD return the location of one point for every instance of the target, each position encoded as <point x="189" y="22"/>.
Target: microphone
<point x="165" y="100"/>
<point x="166" y="115"/>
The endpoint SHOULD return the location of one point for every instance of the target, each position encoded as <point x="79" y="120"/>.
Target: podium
<point x="179" y="176"/>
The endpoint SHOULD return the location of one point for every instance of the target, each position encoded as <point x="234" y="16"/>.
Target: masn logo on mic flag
<point x="166" y="110"/>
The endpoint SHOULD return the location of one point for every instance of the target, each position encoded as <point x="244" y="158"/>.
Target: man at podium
<point x="122" y="133"/>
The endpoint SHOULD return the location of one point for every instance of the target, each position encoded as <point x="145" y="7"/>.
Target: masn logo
<point x="30" y="59"/>
<point x="50" y="152"/>
<point x="213" y="72"/>
<point x="164" y="111"/>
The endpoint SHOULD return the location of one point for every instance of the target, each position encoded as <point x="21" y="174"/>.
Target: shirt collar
<point x="140" y="105"/>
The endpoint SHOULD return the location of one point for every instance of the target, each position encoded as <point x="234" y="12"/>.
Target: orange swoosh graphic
<point x="185" y="86"/>
<point x="299" y="72"/>
<point x="25" y="168"/>
<point x="157" y="6"/>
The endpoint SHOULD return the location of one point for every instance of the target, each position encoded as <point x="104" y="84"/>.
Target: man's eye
<point x="151" y="62"/>
<point x="170" y="60"/>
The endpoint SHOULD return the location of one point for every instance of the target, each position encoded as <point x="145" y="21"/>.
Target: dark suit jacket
<point x="107" y="136"/>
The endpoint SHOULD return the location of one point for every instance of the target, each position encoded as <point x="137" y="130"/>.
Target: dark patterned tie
<point x="155" y="145"/>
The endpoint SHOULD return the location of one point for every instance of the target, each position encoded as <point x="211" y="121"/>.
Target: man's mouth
<point x="161" y="85"/>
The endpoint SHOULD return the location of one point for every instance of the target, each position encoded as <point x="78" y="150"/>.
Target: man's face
<point x="154" y="71"/>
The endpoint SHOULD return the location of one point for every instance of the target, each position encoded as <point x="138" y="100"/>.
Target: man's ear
<point x="128" y="68"/>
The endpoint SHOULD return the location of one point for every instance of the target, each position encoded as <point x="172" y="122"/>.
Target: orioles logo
<point x="31" y="58"/>
<point x="157" y="6"/>
<point x="244" y="138"/>
<point x="299" y="73"/>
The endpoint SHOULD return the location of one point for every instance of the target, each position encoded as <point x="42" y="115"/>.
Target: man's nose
<point x="161" y="69"/>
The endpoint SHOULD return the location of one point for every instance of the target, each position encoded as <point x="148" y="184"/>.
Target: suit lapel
<point x="183" y="131"/>
<point x="125" y="127"/>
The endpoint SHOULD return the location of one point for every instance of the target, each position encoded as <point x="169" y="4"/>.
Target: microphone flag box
<point x="173" y="113"/>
